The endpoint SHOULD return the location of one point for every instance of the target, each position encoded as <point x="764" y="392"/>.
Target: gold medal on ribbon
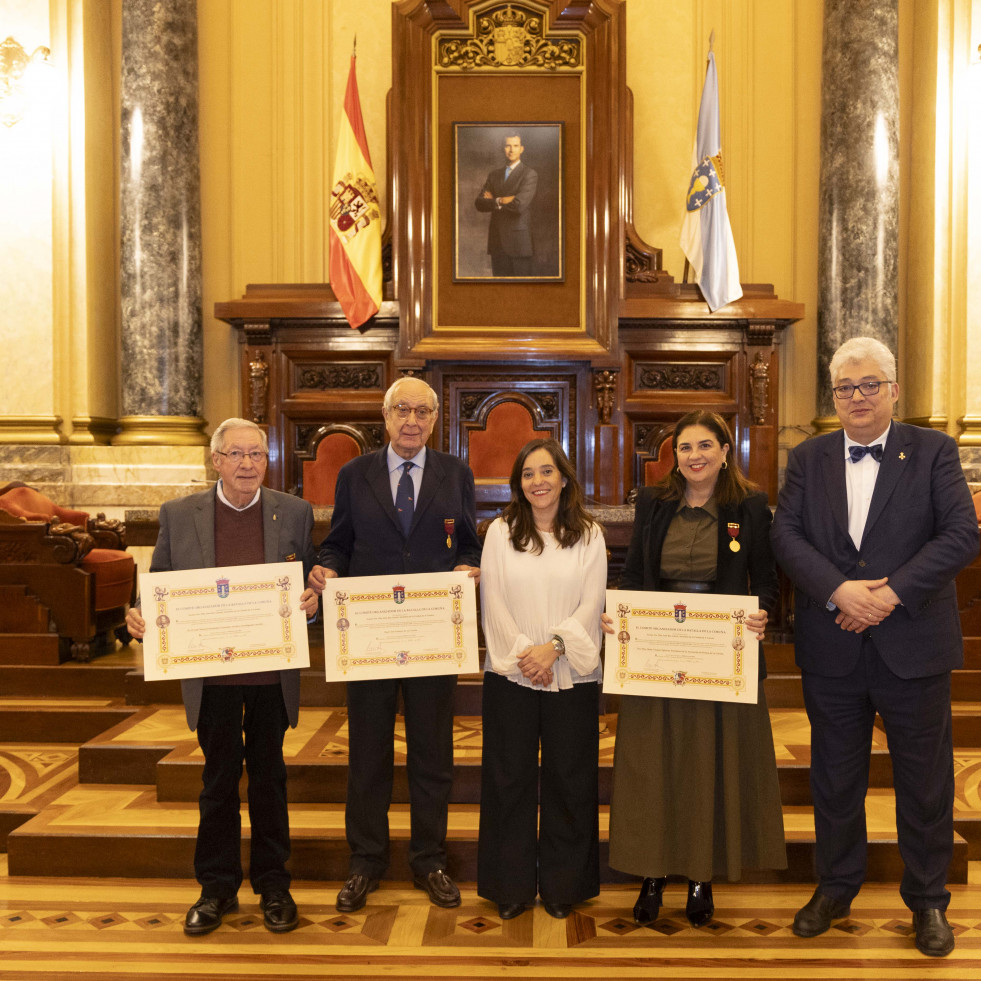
<point x="733" y="529"/>
<point x="448" y="525"/>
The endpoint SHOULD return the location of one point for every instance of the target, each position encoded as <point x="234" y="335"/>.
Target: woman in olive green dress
<point x="695" y="790"/>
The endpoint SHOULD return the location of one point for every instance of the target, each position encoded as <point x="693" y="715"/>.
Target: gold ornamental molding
<point x="31" y="429"/>
<point x="509" y="36"/>
<point x="970" y="426"/>
<point x="928" y="422"/>
<point x="160" y="431"/>
<point x="93" y="430"/>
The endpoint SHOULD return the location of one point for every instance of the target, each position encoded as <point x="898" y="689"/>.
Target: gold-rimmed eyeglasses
<point x="422" y="412"/>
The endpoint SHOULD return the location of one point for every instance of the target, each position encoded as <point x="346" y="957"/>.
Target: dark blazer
<point x="187" y="541"/>
<point x="510" y="225"/>
<point x="366" y="537"/>
<point x="921" y="531"/>
<point x="751" y="570"/>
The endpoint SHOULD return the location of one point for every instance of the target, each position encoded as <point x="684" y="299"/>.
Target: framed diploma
<point x="206" y="622"/>
<point x="400" y="626"/>
<point x="681" y="645"/>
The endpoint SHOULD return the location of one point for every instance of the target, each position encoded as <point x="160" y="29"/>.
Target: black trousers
<point x="917" y="719"/>
<point x="428" y="704"/>
<point x="519" y="854"/>
<point x="229" y="713"/>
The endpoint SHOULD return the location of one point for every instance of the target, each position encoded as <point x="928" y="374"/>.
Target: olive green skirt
<point x="695" y="789"/>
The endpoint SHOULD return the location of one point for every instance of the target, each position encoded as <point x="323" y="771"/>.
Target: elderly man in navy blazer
<point x="873" y="524"/>
<point x="404" y="509"/>
<point x="239" y="522"/>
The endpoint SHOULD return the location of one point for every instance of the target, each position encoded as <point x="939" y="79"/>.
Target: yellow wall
<point x="272" y="77"/>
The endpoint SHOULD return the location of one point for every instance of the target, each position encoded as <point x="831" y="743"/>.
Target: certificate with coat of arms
<point x="201" y="623"/>
<point x="400" y="626"/>
<point x="681" y="645"/>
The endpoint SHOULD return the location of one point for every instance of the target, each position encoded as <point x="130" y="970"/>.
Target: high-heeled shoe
<point x="648" y="903"/>
<point x="699" y="908"/>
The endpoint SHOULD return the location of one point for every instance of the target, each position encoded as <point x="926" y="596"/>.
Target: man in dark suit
<point x="872" y="526"/>
<point x="239" y="522"/>
<point x="404" y="509"/>
<point x="507" y="194"/>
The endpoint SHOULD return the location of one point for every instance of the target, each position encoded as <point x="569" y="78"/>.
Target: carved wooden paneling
<point x="324" y="376"/>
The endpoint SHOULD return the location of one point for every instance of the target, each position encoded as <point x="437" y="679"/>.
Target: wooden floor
<point x="134" y="809"/>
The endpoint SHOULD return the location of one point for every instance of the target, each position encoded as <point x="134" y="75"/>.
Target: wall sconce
<point x="15" y="73"/>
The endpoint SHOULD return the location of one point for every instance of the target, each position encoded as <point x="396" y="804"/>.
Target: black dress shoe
<point x="699" y="908"/>
<point x="206" y="914"/>
<point x="559" y="910"/>
<point x="933" y="934"/>
<point x="441" y="888"/>
<point x="279" y="911"/>
<point x="814" y="918"/>
<point x="648" y="903"/>
<point x="509" y="911"/>
<point x="354" y="893"/>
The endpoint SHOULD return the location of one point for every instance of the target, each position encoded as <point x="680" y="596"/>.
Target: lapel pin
<point x="902" y="456"/>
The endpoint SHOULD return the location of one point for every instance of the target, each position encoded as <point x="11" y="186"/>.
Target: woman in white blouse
<point x="542" y="589"/>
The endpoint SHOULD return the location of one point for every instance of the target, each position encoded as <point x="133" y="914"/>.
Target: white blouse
<point x="526" y="598"/>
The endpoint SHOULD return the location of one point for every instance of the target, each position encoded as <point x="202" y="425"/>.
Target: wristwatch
<point x="558" y="644"/>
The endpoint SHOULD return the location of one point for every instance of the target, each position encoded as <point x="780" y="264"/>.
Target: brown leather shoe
<point x="816" y="916"/>
<point x="933" y="934"/>
<point x="441" y="888"/>
<point x="354" y="893"/>
<point x="206" y="914"/>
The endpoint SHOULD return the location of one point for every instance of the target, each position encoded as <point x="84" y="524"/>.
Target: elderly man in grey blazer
<point x="239" y="522"/>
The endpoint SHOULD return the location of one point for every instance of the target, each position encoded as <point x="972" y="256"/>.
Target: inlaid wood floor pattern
<point x="135" y="810"/>
<point x="59" y="928"/>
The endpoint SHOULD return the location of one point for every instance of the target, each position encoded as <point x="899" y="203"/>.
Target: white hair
<point x="863" y="349"/>
<point x="394" y="387"/>
<point x="218" y="436"/>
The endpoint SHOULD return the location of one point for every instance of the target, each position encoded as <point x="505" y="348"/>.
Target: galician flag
<point x="706" y="237"/>
<point x="355" y="219"/>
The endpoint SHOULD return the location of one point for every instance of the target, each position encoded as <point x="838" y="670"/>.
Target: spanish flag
<point x="355" y="218"/>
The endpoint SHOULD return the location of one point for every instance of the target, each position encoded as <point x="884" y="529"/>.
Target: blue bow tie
<point x="857" y="452"/>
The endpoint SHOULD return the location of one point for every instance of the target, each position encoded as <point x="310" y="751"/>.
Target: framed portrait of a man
<point x="507" y="222"/>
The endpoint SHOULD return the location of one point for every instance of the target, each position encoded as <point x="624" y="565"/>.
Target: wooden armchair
<point x="65" y="579"/>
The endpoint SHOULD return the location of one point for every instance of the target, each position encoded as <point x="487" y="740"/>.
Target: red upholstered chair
<point x="330" y="448"/>
<point x="493" y="449"/>
<point x="660" y="465"/>
<point x="73" y="565"/>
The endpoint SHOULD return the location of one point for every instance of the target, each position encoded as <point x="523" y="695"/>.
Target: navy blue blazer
<point x="187" y="541"/>
<point x="920" y="532"/>
<point x="366" y="537"/>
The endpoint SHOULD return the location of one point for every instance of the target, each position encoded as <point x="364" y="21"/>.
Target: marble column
<point x="160" y="218"/>
<point x="858" y="249"/>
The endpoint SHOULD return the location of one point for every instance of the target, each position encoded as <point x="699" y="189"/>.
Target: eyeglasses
<point x="422" y="413"/>
<point x="237" y="456"/>
<point x="866" y="388"/>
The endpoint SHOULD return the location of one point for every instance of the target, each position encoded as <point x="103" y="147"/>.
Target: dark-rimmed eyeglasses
<point x="866" y="388"/>
<point x="422" y="412"/>
<point x="237" y="456"/>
